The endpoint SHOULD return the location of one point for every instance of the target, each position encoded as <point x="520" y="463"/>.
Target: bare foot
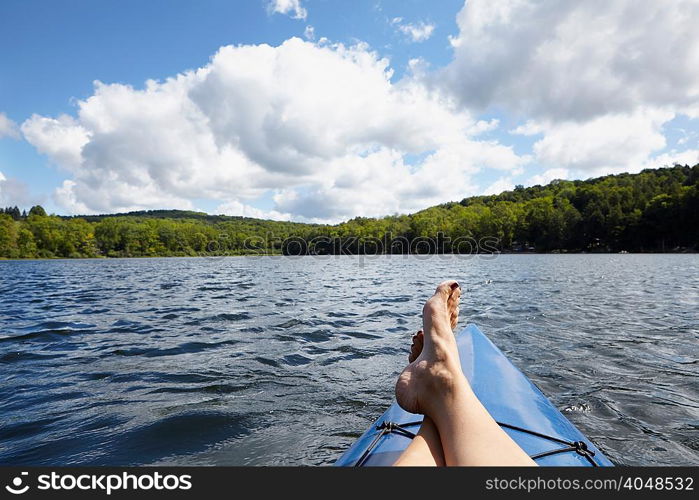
<point x="435" y="368"/>
<point x="418" y="339"/>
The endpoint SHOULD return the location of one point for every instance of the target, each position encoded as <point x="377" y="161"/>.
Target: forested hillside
<point x="655" y="210"/>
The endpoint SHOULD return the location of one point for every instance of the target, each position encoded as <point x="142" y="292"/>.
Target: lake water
<point x="286" y="361"/>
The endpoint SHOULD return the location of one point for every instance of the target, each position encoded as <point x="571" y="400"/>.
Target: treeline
<point x="655" y="210"/>
<point x="136" y="235"/>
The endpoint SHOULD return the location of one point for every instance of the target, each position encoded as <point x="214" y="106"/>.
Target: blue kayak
<point x="512" y="399"/>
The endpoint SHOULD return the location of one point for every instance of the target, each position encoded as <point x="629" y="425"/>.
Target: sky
<point x="325" y="110"/>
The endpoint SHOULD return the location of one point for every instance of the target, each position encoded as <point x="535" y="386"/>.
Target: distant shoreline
<point x="653" y="211"/>
<point x="482" y="254"/>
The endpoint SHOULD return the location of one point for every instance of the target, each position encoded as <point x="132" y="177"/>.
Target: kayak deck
<point x="511" y="398"/>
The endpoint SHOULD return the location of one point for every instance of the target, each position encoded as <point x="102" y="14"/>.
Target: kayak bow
<point x="512" y="399"/>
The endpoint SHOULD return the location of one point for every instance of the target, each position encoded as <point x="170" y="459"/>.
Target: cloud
<point x="687" y="137"/>
<point x="606" y="144"/>
<point x="309" y="33"/>
<point x="688" y="157"/>
<point x="548" y="176"/>
<point x="60" y="139"/>
<point x="8" y="128"/>
<point x="14" y="192"/>
<point x="483" y="126"/>
<point x="577" y="60"/>
<point x="596" y="79"/>
<point x="614" y="143"/>
<point x="291" y="8"/>
<point x="242" y="210"/>
<point x="323" y="126"/>
<point x="529" y="128"/>
<point x="416" y="32"/>
<point x="383" y="183"/>
<point x="500" y="185"/>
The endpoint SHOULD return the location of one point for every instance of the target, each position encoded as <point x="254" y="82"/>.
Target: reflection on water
<point x="272" y="360"/>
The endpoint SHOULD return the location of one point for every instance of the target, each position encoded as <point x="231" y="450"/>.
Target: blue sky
<point x="443" y="100"/>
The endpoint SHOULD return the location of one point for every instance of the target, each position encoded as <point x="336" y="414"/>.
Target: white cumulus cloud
<point x="567" y="60"/>
<point x="605" y="144"/>
<point x="500" y="185"/>
<point x="528" y="128"/>
<point x="291" y="8"/>
<point x="242" y="210"/>
<point x="688" y="157"/>
<point x="416" y="32"/>
<point x="324" y="127"/>
<point x="61" y="139"/>
<point x="548" y="176"/>
<point x="597" y="79"/>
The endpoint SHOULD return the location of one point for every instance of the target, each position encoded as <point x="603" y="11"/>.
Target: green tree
<point x="8" y="236"/>
<point x="37" y="210"/>
<point x="26" y="245"/>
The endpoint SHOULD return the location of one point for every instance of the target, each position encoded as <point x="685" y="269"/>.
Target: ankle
<point x="446" y="380"/>
<point x="448" y="390"/>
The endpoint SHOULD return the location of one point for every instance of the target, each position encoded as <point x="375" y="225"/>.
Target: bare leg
<point x="434" y="385"/>
<point x="426" y="448"/>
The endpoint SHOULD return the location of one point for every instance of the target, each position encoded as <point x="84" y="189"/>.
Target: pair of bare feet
<point x="457" y="429"/>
